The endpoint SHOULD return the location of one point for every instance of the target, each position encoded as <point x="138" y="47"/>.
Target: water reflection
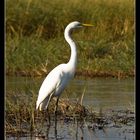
<point x="80" y="130"/>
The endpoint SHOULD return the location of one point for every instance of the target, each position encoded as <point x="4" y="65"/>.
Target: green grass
<point x="35" y="42"/>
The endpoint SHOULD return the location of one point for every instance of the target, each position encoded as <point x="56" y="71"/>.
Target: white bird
<point x="59" y="77"/>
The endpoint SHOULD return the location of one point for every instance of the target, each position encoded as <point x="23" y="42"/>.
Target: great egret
<point x="58" y="78"/>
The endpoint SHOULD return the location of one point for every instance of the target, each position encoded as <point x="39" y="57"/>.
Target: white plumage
<point x="59" y="77"/>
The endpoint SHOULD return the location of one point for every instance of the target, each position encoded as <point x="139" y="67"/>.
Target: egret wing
<point x="50" y="84"/>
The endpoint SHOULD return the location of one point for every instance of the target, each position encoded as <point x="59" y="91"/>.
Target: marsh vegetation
<point x="35" y="43"/>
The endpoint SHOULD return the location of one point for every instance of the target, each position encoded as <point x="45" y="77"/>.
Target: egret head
<point x="77" y="24"/>
<point x="74" y="25"/>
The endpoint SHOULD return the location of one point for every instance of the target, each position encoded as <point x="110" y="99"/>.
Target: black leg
<point x="49" y="118"/>
<point x="56" y="107"/>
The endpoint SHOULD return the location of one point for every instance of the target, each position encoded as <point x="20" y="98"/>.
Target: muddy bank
<point x="84" y="73"/>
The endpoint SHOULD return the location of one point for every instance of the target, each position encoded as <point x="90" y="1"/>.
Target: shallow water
<point x="78" y="131"/>
<point x="99" y="93"/>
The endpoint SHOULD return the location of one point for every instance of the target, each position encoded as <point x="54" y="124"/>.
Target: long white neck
<point x="73" y="58"/>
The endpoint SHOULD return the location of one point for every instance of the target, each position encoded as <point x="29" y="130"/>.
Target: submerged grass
<point x="22" y="118"/>
<point x="35" y="42"/>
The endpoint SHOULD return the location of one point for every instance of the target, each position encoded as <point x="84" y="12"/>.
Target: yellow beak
<point x="89" y="25"/>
